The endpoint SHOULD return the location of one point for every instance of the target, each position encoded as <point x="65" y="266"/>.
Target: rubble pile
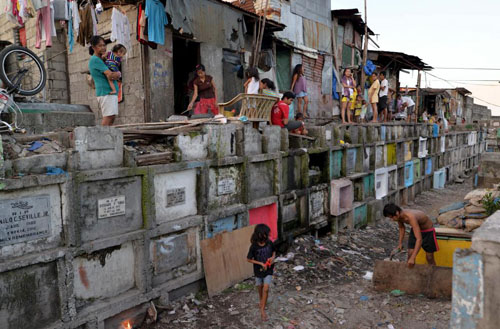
<point x="472" y="212"/>
<point x="13" y="149"/>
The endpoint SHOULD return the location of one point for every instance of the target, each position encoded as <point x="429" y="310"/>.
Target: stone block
<point x="353" y="133"/>
<point x="336" y="164"/>
<point x="271" y="139"/>
<point x="381" y="183"/>
<point x="262" y="179"/>
<point x="294" y="169"/>
<point x="30" y="297"/>
<point x="318" y="172"/>
<point x="318" y="206"/>
<point x="222" y="140"/>
<point x="92" y="273"/>
<point x="391" y="154"/>
<point x="375" y="211"/>
<point x="174" y="255"/>
<point x="31" y="220"/>
<point x="392" y="174"/>
<point x="372" y="134"/>
<point x="37" y="164"/>
<point x="97" y="147"/>
<point x="341" y="197"/>
<point x="408" y="174"/>
<point x="360" y="216"/>
<point x="252" y="141"/>
<point x="380" y="159"/>
<point x="109" y="207"/>
<point x="175" y="195"/>
<point x="193" y="146"/>
<point x="285" y="143"/>
<point x="320" y="134"/>
<point x="293" y="212"/>
<point x="225" y="186"/>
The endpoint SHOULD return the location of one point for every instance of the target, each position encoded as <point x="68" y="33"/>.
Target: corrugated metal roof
<point x="249" y="7"/>
<point x="404" y="61"/>
<point x="354" y="16"/>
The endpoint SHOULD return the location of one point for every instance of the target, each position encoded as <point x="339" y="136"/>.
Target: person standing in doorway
<point x="384" y="91"/>
<point x="299" y="88"/>
<point x="348" y="84"/>
<point x="108" y="102"/>
<point x="373" y="96"/>
<point x="204" y="86"/>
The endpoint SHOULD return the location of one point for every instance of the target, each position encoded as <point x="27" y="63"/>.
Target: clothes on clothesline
<point x="86" y="26"/>
<point x="157" y="20"/>
<point x="141" y="33"/>
<point x="120" y="28"/>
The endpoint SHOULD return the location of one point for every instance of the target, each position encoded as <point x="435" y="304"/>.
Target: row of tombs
<point x="91" y="248"/>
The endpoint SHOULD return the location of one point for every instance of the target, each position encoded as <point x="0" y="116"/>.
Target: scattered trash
<point x="298" y="268"/>
<point x="397" y="293"/>
<point x="390" y="326"/>
<point x="368" y="275"/>
<point x="55" y="171"/>
<point x="298" y="288"/>
<point x="35" y="146"/>
<point x="364" y="298"/>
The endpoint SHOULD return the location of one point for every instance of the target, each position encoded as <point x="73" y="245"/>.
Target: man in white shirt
<point x="384" y="90"/>
<point x="409" y="105"/>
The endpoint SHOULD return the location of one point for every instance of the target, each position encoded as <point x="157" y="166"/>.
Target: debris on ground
<point x="14" y="150"/>
<point x="332" y="291"/>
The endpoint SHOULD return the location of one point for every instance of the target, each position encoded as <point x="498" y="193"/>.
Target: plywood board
<point x="225" y="259"/>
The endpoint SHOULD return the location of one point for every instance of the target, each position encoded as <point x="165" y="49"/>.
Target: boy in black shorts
<point x="422" y="233"/>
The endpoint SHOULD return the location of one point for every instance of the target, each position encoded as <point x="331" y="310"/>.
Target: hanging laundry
<point x="94" y="20"/>
<point x="141" y="22"/>
<point x="61" y="10"/>
<point x="39" y="4"/>
<point x="44" y="22"/>
<point x="157" y="20"/>
<point x="120" y="28"/>
<point x="71" y="39"/>
<point x="12" y="11"/>
<point x="86" y="26"/>
<point x="76" y="18"/>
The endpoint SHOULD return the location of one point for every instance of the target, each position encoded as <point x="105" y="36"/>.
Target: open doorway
<point x="186" y="57"/>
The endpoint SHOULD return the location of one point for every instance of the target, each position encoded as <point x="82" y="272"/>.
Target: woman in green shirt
<point x="108" y="103"/>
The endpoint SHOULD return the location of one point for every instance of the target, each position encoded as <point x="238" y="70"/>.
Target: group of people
<point x="262" y="251"/>
<point x="354" y="107"/>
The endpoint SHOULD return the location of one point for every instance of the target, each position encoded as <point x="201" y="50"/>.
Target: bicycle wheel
<point x="22" y="71"/>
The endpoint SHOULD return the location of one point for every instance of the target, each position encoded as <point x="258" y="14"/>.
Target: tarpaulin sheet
<point x="283" y="69"/>
<point x="326" y="76"/>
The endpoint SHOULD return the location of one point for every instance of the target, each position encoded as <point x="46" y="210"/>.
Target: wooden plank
<point x="302" y="136"/>
<point x="163" y="132"/>
<point x="453" y="232"/>
<point x="225" y="259"/>
<point x="431" y="281"/>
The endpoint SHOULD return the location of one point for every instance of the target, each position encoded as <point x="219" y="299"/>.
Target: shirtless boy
<point x="422" y="233"/>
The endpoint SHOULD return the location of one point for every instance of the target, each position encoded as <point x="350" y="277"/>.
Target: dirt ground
<point x="330" y="292"/>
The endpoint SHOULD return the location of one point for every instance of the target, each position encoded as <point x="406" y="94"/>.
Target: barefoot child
<point x="113" y="61"/>
<point x="422" y="233"/>
<point x="261" y="255"/>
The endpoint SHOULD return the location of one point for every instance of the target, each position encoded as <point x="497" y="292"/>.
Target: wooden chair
<point x="257" y="108"/>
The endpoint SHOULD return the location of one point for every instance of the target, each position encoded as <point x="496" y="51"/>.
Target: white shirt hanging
<point x="120" y="29"/>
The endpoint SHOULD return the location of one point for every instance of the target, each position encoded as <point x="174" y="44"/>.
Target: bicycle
<point x="22" y="73"/>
